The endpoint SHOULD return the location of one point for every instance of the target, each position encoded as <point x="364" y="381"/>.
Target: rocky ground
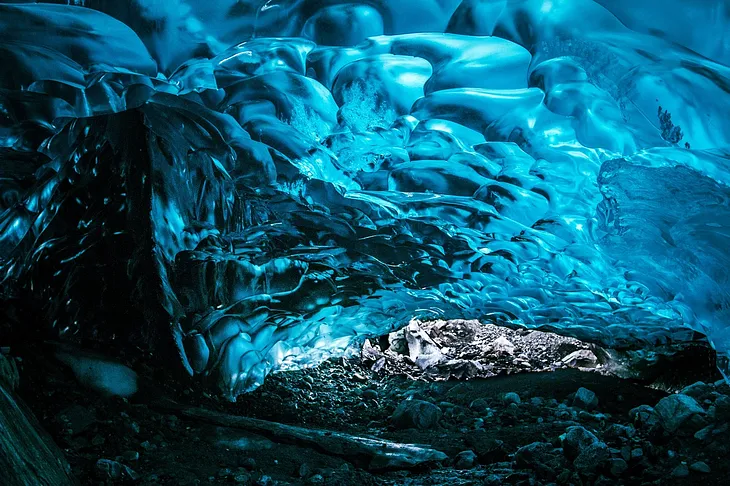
<point x="512" y="426"/>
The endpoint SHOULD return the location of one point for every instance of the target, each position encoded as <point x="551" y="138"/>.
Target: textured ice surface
<point x="267" y="181"/>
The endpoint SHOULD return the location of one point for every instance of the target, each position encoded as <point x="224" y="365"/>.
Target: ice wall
<point x="260" y="183"/>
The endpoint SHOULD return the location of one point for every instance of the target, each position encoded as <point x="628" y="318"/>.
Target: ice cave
<point x="367" y="242"/>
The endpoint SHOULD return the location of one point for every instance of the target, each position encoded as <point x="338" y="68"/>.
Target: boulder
<point x="488" y="449"/>
<point x="585" y="399"/>
<point x="542" y="457"/>
<point x="416" y="414"/>
<point x="575" y="440"/>
<point x="698" y="390"/>
<point x="465" y="460"/>
<point x="681" y="471"/>
<point x="722" y="409"/>
<point x="677" y="411"/>
<point x="645" y="418"/>
<point x="480" y="405"/>
<point x="617" y="467"/>
<point x="618" y="432"/>
<point x="700" y="467"/>
<point x="591" y="458"/>
<point x="511" y="397"/>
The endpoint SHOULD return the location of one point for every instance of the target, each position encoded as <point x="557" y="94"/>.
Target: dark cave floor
<point x="109" y="440"/>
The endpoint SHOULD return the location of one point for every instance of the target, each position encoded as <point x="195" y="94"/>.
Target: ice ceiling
<point x="263" y="182"/>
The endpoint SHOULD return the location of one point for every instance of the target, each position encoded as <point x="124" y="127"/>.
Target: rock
<point x="107" y="469"/>
<point x="722" y="409"/>
<point x="583" y="358"/>
<point x="502" y="345"/>
<point x="75" y="419"/>
<point x="130" y="456"/>
<point x="465" y="460"/>
<point x="132" y="428"/>
<point x="488" y="449"/>
<point x="626" y="453"/>
<point x="681" y="471"/>
<point x="98" y="372"/>
<point x="617" y="467"/>
<point x="264" y="481"/>
<point x="316" y="479"/>
<point x="511" y="397"/>
<point x="618" y="431"/>
<point x="249" y="463"/>
<point x="637" y="454"/>
<point x="585" y="399"/>
<point x="575" y="440"/>
<point x="480" y="405"/>
<point x="699" y="390"/>
<point x="417" y="414"/>
<point x="676" y="411"/>
<point x="537" y="402"/>
<point x="369" y="353"/>
<point x="700" y="467"/>
<point x="591" y="458"/>
<point x="370" y="394"/>
<point x="148" y="446"/>
<point x="421" y="348"/>
<point x="646" y="418"/>
<point x="704" y="434"/>
<point x="242" y="477"/>
<point x="304" y="470"/>
<point x="541" y="457"/>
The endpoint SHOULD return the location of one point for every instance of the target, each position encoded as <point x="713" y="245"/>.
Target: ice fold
<point x="291" y="186"/>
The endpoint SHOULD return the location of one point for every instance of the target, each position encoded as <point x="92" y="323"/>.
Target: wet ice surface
<point x="285" y="179"/>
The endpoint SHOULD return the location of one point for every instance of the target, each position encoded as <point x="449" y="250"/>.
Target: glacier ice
<point x="250" y="186"/>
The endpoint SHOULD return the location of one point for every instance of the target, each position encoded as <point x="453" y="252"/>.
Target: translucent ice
<point x="263" y="183"/>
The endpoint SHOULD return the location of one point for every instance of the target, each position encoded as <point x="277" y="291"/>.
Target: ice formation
<point x="261" y="182"/>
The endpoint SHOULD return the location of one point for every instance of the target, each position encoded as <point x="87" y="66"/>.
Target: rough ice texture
<point x="262" y="183"/>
